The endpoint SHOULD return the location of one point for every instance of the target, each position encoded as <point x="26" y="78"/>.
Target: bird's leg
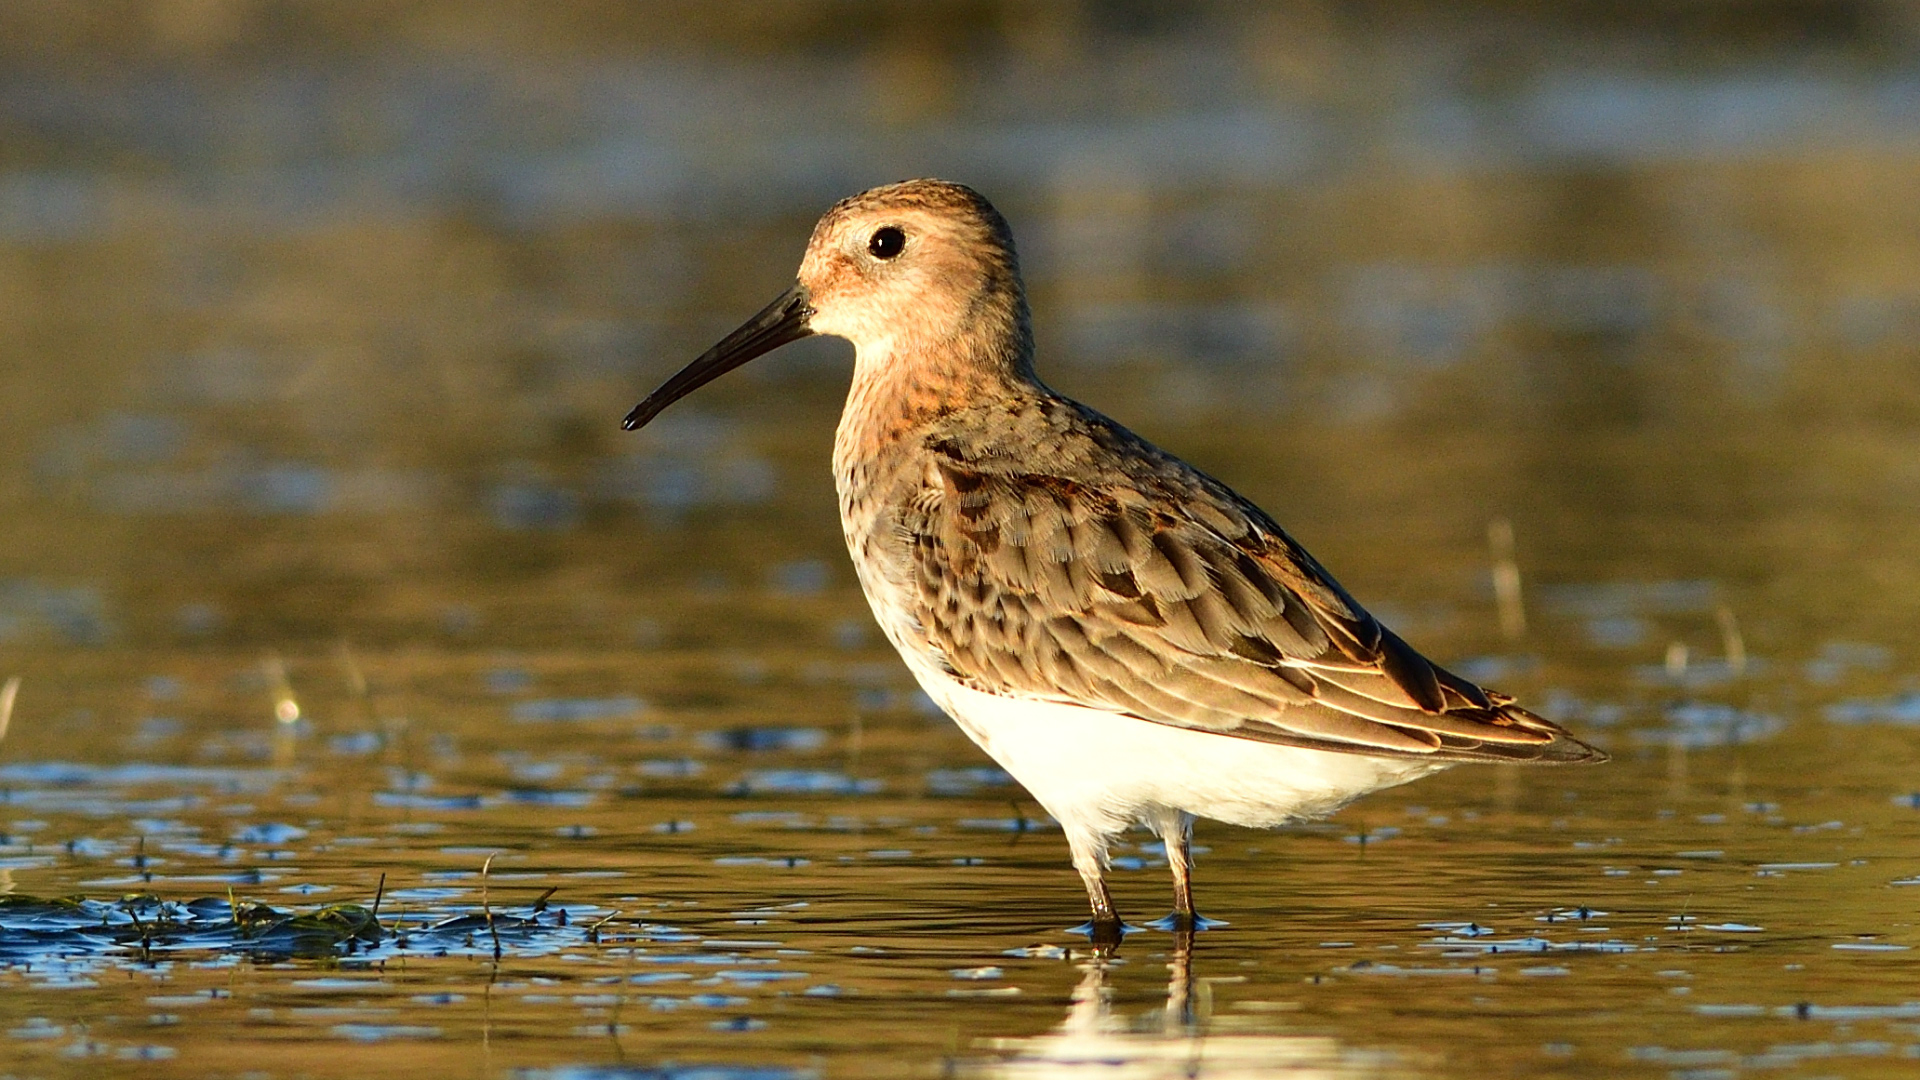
<point x="1176" y="832"/>
<point x="1182" y="863"/>
<point x="1106" y="924"/>
<point x="1089" y="858"/>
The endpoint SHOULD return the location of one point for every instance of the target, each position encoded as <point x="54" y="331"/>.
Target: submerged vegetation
<point x="33" y="927"/>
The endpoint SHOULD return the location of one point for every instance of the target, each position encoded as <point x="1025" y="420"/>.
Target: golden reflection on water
<point x="325" y="559"/>
<point x="1180" y="1039"/>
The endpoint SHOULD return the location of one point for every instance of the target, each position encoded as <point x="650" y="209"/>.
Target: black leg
<point x="1176" y="832"/>
<point x="1180" y="860"/>
<point x="1106" y="924"/>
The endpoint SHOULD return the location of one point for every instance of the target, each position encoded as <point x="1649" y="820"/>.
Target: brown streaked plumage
<point x="1126" y="635"/>
<point x="1056" y="555"/>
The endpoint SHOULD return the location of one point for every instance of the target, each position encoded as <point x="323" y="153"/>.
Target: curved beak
<point x="782" y="321"/>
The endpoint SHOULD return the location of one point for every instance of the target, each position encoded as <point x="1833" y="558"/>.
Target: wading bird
<point x="1126" y="636"/>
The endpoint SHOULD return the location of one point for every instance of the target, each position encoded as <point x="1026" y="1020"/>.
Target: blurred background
<point x="317" y="320"/>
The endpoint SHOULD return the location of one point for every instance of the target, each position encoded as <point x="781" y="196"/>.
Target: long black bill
<point x="782" y="321"/>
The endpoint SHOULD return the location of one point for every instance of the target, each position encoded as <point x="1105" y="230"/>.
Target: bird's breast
<point x="872" y="495"/>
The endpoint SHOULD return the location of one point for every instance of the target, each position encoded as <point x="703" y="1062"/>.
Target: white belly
<point x="1098" y="772"/>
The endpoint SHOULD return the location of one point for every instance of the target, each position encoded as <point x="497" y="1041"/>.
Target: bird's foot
<point x="1104" y="932"/>
<point x="1185" y="922"/>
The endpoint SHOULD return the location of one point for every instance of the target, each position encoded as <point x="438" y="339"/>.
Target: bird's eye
<point x="886" y="242"/>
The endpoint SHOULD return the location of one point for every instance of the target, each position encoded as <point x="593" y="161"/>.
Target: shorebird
<point x="1127" y="637"/>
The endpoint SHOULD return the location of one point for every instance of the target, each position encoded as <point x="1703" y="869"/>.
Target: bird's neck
<point x="903" y="383"/>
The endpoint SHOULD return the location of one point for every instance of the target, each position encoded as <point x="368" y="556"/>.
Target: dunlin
<point x="1127" y="637"/>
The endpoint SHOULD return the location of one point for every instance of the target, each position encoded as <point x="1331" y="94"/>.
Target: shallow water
<point x="383" y="709"/>
<point x="768" y="877"/>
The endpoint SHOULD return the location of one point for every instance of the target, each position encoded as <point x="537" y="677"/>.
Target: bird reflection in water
<point x="1180" y="1039"/>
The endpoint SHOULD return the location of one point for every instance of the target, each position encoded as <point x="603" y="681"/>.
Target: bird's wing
<point x="1168" y="598"/>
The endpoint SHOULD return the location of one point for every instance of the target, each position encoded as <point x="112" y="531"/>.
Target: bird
<point x="1127" y="637"/>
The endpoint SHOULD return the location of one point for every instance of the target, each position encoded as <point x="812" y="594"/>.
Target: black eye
<point x="886" y="242"/>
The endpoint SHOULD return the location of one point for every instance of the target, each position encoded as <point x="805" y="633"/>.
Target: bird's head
<point x="915" y="269"/>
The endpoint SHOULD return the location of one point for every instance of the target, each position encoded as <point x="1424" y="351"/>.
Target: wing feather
<point x="1132" y="583"/>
